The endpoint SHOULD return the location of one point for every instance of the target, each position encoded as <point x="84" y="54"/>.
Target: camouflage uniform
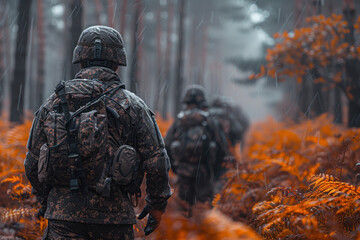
<point x="195" y="181"/>
<point x="232" y="119"/>
<point x="234" y="124"/>
<point x="137" y="128"/>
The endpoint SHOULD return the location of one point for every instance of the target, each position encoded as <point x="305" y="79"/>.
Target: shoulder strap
<point x="77" y="176"/>
<point x="60" y="91"/>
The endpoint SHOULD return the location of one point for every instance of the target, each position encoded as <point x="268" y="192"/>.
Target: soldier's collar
<point x="100" y="73"/>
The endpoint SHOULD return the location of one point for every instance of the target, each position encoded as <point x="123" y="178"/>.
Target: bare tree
<point x="18" y="82"/>
<point x="352" y="67"/>
<point x="165" y="86"/>
<point x="158" y="54"/>
<point x="98" y="9"/>
<point x="41" y="54"/>
<point x="3" y="15"/>
<point x="180" y="57"/>
<point x="75" y="31"/>
<point x="123" y="17"/>
<point x="110" y="9"/>
<point x="134" y="71"/>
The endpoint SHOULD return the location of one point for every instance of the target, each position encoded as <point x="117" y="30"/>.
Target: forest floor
<point x="291" y="181"/>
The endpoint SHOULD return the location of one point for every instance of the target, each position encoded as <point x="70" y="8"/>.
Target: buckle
<point x="73" y="155"/>
<point x="74" y="185"/>
<point x="59" y="87"/>
<point x="97" y="48"/>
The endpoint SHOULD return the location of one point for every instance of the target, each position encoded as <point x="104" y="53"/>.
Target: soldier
<point x="194" y="144"/>
<point x="91" y="143"/>
<point x="232" y="119"/>
<point x="234" y="124"/>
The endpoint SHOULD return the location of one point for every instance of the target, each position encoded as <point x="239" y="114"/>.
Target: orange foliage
<point x="275" y="187"/>
<point x="18" y="204"/>
<point x="164" y="124"/>
<point x="321" y="47"/>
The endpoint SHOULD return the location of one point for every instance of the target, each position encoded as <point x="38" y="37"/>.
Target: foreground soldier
<point x="91" y="143"/>
<point x="194" y="144"/>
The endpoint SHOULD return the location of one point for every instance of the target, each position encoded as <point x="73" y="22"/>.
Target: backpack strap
<point x="77" y="175"/>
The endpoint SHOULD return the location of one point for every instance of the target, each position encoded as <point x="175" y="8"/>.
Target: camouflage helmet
<point x="100" y="43"/>
<point x="195" y="94"/>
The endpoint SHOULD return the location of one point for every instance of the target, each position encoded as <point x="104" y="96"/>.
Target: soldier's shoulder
<point x="135" y="101"/>
<point x="46" y="106"/>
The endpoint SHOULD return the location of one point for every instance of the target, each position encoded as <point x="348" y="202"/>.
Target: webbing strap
<point x="77" y="175"/>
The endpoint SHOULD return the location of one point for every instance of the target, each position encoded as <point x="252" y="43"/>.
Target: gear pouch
<point x="124" y="165"/>
<point x="44" y="168"/>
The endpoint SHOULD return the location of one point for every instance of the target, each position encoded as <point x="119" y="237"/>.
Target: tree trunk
<point x="180" y="57"/>
<point x="123" y="17"/>
<point x="31" y="70"/>
<point x="41" y="54"/>
<point x="159" y="80"/>
<point x="18" y="82"/>
<point x="304" y="98"/>
<point x="134" y="72"/>
<point x="338" y="118"/>
<point x="98" y="8"/>
<point x="166" y="85"/>
<point x="352" y="70"/>
<point x="111" y="7"/>
<point x="203" y="54"/>
<point x="75" y="31"/>
<point x="317" y="99"/>
<point x="352" y="67"/>
<point x="3" y="16"/>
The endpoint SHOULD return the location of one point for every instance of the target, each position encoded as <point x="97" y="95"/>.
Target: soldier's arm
<point x="156" y="161"/>
<point x="169" y="138"/>
<point x="36" y="139"/>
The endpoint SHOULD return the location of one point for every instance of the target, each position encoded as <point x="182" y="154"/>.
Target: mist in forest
<point x="223" y="42"/>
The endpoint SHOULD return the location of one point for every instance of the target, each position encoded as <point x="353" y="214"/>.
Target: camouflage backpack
<point x="195" y="144"/>
<point x="230" y="125"/>
<point x="76" y="153"/>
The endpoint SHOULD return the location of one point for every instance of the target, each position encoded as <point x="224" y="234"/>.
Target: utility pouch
<point x="176" y="153"/>
<point x="44" y="168"/>
<point x="125" y="165"/>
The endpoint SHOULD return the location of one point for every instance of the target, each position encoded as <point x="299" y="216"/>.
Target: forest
<point x="293" y="67"/>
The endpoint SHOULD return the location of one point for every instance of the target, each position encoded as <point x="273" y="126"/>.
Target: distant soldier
<point x="90" y="145"/>
<point x="234" y="124"/>
<point x="194" y="143"/>
<point x="233" y="120"/>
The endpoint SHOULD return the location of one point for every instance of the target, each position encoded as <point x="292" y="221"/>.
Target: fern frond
<point x="14" y="215"/>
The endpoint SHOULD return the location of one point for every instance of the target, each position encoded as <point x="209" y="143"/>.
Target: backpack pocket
<point x="125" y="165"/>
<point x="92" y="135"/>
<point x="44" y="168"/>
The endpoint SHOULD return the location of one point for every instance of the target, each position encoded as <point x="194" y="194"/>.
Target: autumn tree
<point x="320" y="50"/>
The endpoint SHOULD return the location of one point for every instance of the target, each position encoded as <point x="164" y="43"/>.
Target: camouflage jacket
<point x="137" y="121"/>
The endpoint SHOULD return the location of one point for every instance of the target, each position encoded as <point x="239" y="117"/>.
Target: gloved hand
<point x="153" y="219"/>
